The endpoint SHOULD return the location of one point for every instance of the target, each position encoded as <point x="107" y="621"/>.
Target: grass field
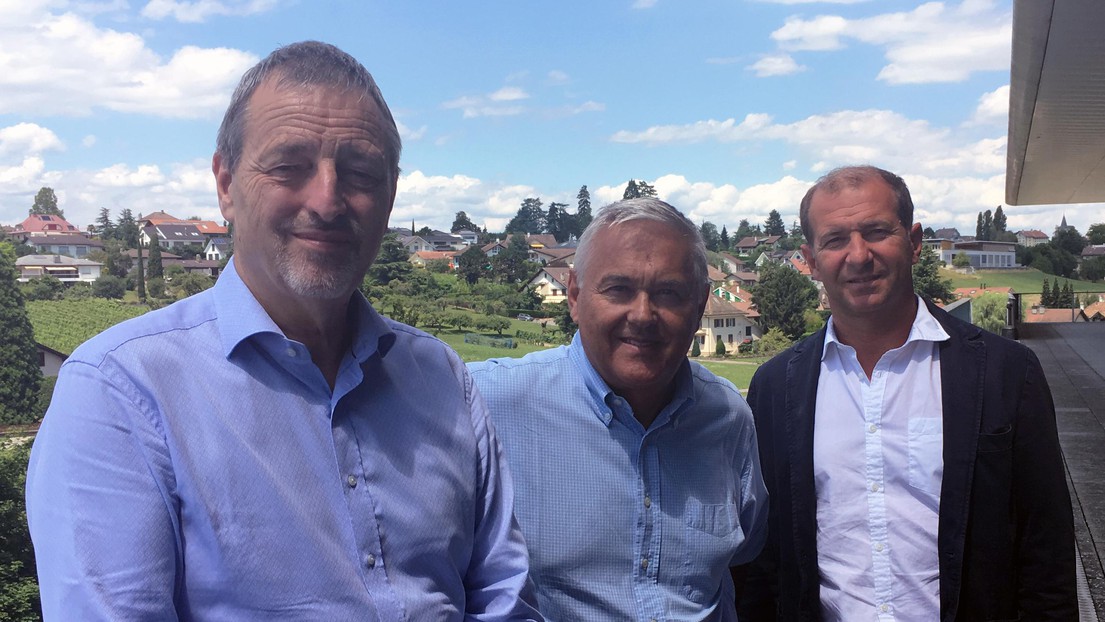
<point x="738" y="372"/>
<point x="1023" y="281"/>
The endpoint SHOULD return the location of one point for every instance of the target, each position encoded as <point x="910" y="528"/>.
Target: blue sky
<point x="729" y="108"/>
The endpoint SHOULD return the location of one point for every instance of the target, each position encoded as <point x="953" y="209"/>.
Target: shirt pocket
<point x="926" y="454"/>
<point x="718" y="519"/>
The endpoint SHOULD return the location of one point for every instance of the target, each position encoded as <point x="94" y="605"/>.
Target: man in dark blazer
<point x="998" y="543"/>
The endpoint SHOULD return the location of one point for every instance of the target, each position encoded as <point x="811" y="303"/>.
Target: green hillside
<point x="65" y="324"/>
<point x="1023" y="280"/>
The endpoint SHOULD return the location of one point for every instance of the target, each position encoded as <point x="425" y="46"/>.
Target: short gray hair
<point x="647" y="208"/>
<point x="303" y="64"/>
<point x="853" y="177"/>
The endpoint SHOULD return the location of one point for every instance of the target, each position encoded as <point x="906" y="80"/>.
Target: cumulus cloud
<point x="497" y="104"/>
<point x="557" y="76"/>
<point x="198" y="11"/>
<point x="993" y="108"/>
<point x="63" y="64"/>
<point x="846" y="137"/>
<point x="28" y="139"/>
<point x="781" y="64"/>
<point x="934" y="42"/>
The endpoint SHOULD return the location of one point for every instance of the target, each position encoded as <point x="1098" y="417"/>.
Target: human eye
<point x="360" y="179"/>
<point x="832" y="242"/>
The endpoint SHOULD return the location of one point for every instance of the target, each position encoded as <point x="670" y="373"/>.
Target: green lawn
<point x="738" y="372"/>
<point x="472" y="352"/>
<point x="1023" y="281"/>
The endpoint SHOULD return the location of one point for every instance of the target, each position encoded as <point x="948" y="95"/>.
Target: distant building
<point x="947" y="233"/>
<point x="43" y="224"/>
<point x="551" y="284"/>
<point x="67" y="269"/>
<point x="173" y="235"/>
<point x="69" y="244"/>
<point x="729" y="322"/>
<point x="1031" y="237"/>
<point x="983" y="254"/>
<point x="49" y="360"/>
<point x="217" y="249"/>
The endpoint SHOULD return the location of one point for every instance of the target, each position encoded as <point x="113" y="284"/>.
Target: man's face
<point x="637" y="306"/>
<point x="311" y="194"/>
<point x="861" y="251"/>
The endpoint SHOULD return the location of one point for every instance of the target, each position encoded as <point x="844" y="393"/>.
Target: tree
<point x="140" y="286"/>
<point x="18" y="585"/>
<point x="472" y="264"/>
<point x="193" y="283"/>
<point x="1092" y="269"/>
<point x="104" y="225"/>
<point x="637" y="189"/>
<point x="583" y="210"/>
<point x="743" y="230"/>
<point x="529" y="219"/>
<point x="984" y="226"/>
<point x="782" y="296"/>
<point x="725" y="242"/>
<point x="46" y="203"/>
<point x="512" y="264"/>
<point x="696" y="350"/>
<point x="961" y="260"/>
<point x="1096" y="233"/>
<point x="19" y="374"/>
<point x="1067" y="301"/>
<point x="109" y="286"/>
<point x="928" y="233"/>
<point x="774" y="224"/>
<point x="710" y="235"/>
<point x="462" y="223"/>
<point x="392" y="264"/>
<point x="1000" y="221"/>
<point x="989" y="311"/>
<point x="926" y="278"/>
<point x="558" y="222"/>
<point x="774" y="340"/>
<point x="127" y="228"/>
<point x="47" y="287"/>
<point x="1047" y="299"/>
<point x="719" y="348"/>
<point x="154" y="268"/>
<point x="1070" y="240"/>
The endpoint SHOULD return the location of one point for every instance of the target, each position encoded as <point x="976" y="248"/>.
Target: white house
<point x="732" y="323"/>
<point x="216" y="249"/>
<point x="551" y="284"/>
<point x="67" y="269"/>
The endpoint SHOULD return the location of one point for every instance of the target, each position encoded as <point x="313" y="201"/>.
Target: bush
<point x="78" y="291"/>
<point x="719" y="348"/>
<point x="155" y="287"/>
<point x="696" y="350"/>
<point x="43" y="288"/>
<point x="108" y="286"/>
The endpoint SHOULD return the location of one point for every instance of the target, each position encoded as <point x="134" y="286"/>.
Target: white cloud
<point x="883" y="137"/>
<point x="28" y="139"/>
<point x="88" y="141"/>
<point x="508" y="94"/>
<point x="64" y="64"/>
<point x="931" y="43"/>
<point x="589" y="106"/>
<point x="644" y="4"/>
<point x="557" y="76"/>
<point x="993" y="108"/>
<point x="811" y="1"/>
<point x="198" y="11"/>
<point x="781" y="64"/>
<point x="406" y="133"/>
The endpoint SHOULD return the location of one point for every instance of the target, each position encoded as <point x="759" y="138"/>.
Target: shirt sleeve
<point x="753" y="499"/>
<point x="497" y="582"/>
<point x="98" y="505"/>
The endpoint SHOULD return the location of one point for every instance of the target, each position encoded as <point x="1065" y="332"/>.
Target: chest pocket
<point x="926" y="454"/>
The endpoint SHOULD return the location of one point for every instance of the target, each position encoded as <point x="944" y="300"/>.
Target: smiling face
<point x="862" y="253"/>
<point x="311" y="194"/>
<point x="637" y="307"/>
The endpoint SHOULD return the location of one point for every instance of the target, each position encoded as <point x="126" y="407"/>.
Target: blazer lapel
<point x="803" y="370"/>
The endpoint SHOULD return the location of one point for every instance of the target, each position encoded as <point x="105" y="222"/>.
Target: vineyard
<point x="65" y="324"/>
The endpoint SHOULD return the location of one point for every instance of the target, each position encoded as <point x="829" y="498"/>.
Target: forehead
<point x="643" y="247"/>
<point x="871" y="200"/>
<point x="313" y="115"/>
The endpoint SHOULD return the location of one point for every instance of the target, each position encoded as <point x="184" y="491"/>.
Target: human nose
<point x="641" y="309"/>
<point x="858" y="250"/>
<point x="323" y="193"/>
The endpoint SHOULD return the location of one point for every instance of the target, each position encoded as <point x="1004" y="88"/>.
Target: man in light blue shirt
<point x="266" y="449"/>
<point x="637" y="476"/>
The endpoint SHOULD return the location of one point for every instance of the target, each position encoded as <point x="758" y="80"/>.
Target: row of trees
<point x="532" y="217"/>
<point x="1055" y="297"/>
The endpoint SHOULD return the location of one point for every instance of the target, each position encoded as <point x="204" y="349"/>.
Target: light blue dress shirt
<point x="195" y="465"/>
<point x="625" y="523"/>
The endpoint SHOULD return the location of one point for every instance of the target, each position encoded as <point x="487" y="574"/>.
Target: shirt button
<point x="879" y="547"/>
<point x="874" y="428"/>
<point x="648" y="502"/>
<point x="370" y="560"/>
<point x="352" y="481"/>
<point x="291" y="352"/>
<point x="644" y="564"/>
<point x="884" y="608"/>
<point x="874" y="487"/>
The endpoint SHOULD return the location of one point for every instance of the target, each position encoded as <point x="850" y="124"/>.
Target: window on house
<point x="41" y="358"/>
<point x="730" y="337"/>
<point x="702" y="340"/>
<point x="717" y="323"/>
<point x="747" y="331"/>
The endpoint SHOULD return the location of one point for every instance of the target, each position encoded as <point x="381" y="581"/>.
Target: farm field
<point x="65" y="324"/>
<point x="1023" y="281"/>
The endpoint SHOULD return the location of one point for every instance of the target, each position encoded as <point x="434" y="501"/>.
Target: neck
<point x="321" y="325"/>
<point x="874" y="336"/>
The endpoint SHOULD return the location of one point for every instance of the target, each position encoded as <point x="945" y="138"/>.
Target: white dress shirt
<point x="878" y="464"/>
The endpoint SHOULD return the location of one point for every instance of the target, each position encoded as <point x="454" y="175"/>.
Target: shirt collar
<point x="925" y="328"/>
<point x="602" y="395"/>
<point x="241" y="317"/>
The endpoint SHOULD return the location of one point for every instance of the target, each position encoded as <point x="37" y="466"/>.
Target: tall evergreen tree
<point x="631" y="190"/>
<point x="127" y="228"/>
<point x="19" y="374"/>
<point x="978" y="227"/>
<point x="463" y="223"/>
<point x="104" y="225"/>
<point x="155" y="269"/>
<point x="46" y="203"/>
<point x="782" y="296"/>
<point x="558" y="222"/>
<point x="1046" y="299"/>
<point x="472" y="264"/>
<point x="774" y="225"/>
<point x="1000" y="221"/>
<point x="926" y="278"/>
<point x="710" y="235"/>
<point x="743" y="230"/>
<point x="140" y="286"/>
<point x="583" y="210"/>
<point x="1067" y="300"/>
<point x="530" y="217"/>
<point x="724" y="239"/>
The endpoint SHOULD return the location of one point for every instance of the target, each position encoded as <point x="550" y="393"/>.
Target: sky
<point x="730" y="108"/>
